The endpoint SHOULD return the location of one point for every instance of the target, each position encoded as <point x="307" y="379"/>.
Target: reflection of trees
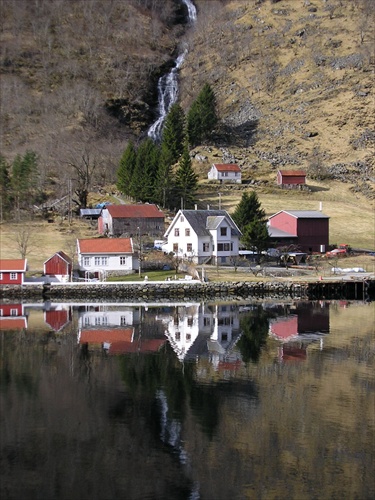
<point x="254" y="327"/>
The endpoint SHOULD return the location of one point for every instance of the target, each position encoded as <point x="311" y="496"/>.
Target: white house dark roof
<point x="303" y="214"/>
<point x="202" y="221"/>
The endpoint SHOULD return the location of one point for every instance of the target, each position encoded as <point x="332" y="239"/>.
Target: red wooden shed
<point x="12" y="271"/>
<point x="291" y="177"/>
<point x="59" y="266"/>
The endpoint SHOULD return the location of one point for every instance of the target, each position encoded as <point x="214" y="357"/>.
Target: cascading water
<point x="168" y="84"/>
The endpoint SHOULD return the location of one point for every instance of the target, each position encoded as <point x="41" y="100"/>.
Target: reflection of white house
<point x="199" y="330"/>
<point x="203" y="235"/>
<point x="98" y="256"/>
<point x="225" y="172"/>
<point x="101" y="315"/>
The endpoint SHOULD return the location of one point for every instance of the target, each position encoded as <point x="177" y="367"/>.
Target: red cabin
<point x="12" y="271"/>
<point x="291" y="177"/>
<point x="58" y="267"/>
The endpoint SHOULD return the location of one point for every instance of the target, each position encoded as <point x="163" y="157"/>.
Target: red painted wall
<point x="7" y="281"/>
<point x="56" y="265"/>
<point x="285" y="222"/>
<point x="6" y="309"/>
<point x="312" y="233"/>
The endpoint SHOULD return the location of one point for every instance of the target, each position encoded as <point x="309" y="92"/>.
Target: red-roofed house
<point x="225" y="172"/>
<point x="58" y="267"/>
<point x="99" y="256"/>
<point x="12" y="271"/>
<point x="131" y="220"/>
<point x="291" y="178"/>
<point x="119" y="340"/>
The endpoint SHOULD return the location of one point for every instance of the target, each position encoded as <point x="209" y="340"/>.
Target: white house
<point x="225" y="172"/>
<point x="203" y="235"/>
<point x="99" y="256"/>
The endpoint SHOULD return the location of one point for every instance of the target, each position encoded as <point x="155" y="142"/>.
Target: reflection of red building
<point x="119" y="340"/>
<point x="12" y="317"/>
<point x="57" y="318"/>
<point x="284" y="328"/>
<point x="292" y="353"/>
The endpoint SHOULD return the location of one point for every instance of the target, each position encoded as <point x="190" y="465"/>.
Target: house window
<point x="223" y="260"/>
<point x="224" y="247"/>
<point x="87" y="321"/>
<point x="187" y="232"/>
<point x="123" y="320"/>
<point x="189" y="247"/>
<point x="225" y="174"/>
<point x="206" y="322"/>
<point x="13" y="312"/>
<point x="188" y="337"/>
<point x="182" y="218"/>
<point x="175" y="247"/>
<point x="177" y="231"/>
<point x="190" y="321"/>
<point x="101" y="261"/>
<point x="122" y="261"/>
<point x="206" y="247"/>
<point x="224" y="337"/>
<point x="1" y="276"/>
<point x="13" y="276"/>
<point x="178" y="336"/>
<point x="86" y="261"/>
<point x="223" y="231"/>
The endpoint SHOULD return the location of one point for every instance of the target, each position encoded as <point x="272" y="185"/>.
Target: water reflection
<point x="187" y="400"/>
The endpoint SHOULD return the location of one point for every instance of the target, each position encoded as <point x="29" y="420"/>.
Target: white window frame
<point x="86" y="261"/>
<point x="123" y="260"/>
<point x="13" y="276"/>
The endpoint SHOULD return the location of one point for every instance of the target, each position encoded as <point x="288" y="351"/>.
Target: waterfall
<point x="168" y="84"/>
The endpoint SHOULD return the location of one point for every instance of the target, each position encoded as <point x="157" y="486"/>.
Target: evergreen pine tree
<point x="248" y="209"/>
<point x="186" y="180"/>
<point x="202" y="117"/>
<point x="145" y="172"/>
<point x="5" y="187"/>
<point x="174" y="132"/>
<point x="24" y="178"/>
<point x="165" y="191"/>
<point x="126" y="168"/>
<point x="251" y="220"/>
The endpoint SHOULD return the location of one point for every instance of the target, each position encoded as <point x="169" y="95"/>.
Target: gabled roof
<point x="134" y="211"/>
<point x="303" y="214"/>
<point x="13" y="265"/>
<point x="62" y="255"/>
<point x="99" y="336"/>
<point x="105" y="245"/>
<point x="201" y="221"/>
<point x="292" y="173"/>
<point x="227" y="167"/>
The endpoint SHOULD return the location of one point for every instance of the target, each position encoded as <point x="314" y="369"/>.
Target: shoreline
<point x="361" y="288"/>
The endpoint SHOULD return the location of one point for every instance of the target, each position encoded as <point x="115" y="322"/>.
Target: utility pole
<point x="139" y="251"/>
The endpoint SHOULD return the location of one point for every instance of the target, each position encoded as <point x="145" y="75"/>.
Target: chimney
<point x="208" y="207"/>
<point x="320" y="206"/>
<point x="195" y="207"/>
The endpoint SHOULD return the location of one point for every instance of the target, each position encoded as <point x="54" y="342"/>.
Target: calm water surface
<point x="187" y="401"/>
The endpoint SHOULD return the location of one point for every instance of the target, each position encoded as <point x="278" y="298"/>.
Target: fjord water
<point x="210" y="401"/>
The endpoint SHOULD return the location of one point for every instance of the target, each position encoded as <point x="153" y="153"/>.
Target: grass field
<point x="352" y="219"/>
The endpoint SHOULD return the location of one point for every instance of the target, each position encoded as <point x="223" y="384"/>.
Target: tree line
<point x="163" y="173"/>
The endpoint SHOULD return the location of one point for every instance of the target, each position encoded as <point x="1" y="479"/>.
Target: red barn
<point x="12" y="271"/>
<point x="58" y="267"/>
<point x="131" y="220"/>
<point x="309" y="229"/>
<point x="291" y="177"/>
